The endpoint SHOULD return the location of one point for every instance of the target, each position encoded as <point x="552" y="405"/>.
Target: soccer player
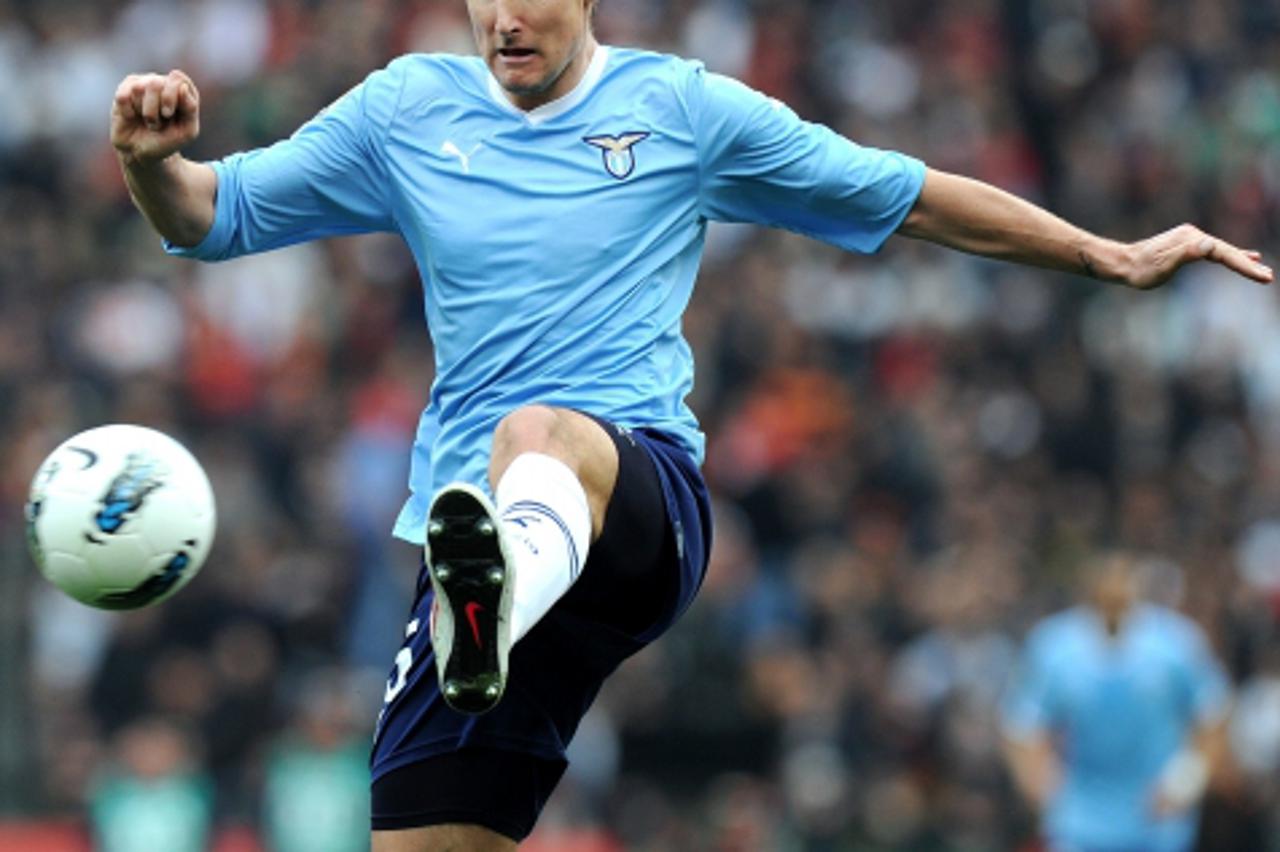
<point x="1115" y="720"/>
<point x="555" y="194"/>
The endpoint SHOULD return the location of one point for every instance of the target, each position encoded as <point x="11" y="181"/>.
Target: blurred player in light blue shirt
<point x="1115" y="719"/>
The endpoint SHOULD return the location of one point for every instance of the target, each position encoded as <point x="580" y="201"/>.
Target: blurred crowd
<point x="913" y="454"/>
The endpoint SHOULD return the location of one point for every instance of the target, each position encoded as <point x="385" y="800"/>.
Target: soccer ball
<point x="120" y="517"/>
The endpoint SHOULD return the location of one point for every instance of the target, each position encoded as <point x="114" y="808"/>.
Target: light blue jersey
<point x="558" y="247"/>
<point x="1118" y="710"/>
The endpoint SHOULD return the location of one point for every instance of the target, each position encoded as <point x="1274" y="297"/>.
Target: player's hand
<point x="1165" y="806"/>
<point x="154" y="115"/>
<point x="1181" y="784"/>
<point x="1152" y="262"/>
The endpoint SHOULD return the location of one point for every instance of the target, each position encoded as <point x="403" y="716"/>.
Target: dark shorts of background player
<point x="432" y="766"/>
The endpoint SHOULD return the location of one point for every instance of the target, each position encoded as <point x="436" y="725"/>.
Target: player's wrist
<point x="138" y="162"/>
<point x="1106" y="260"/>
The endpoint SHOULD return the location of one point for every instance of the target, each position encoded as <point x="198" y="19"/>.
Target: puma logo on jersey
<point x="619" y="158"/>
<point x="454" y="151"/>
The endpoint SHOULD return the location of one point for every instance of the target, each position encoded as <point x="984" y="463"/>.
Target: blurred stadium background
<point x="912" y="453"/>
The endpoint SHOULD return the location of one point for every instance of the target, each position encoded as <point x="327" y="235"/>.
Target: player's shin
<point x="547" y="522"/>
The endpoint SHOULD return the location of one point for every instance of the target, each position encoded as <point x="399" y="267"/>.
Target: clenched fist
<point x="154" y="115"/>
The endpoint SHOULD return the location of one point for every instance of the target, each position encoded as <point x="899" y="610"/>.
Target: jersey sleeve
<point x="1205" y="681"/>
<point x="329" y="178"/>
<point x="761" y="164"/>
<point x="1028" y="707"/>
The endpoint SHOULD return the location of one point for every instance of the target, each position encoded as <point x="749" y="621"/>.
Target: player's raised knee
<point x="528" y="429"/>
<point x="567" y="435"/>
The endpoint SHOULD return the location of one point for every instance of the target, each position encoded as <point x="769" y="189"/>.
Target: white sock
<point x="547" y="523"/>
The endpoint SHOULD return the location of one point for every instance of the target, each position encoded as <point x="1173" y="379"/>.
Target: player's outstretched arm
<point x="976" y="217"/>
<point x="153" y="117"/>
<point x="1035" y="768"/>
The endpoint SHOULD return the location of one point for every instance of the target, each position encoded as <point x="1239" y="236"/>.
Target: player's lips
<point x="512" y="56"/>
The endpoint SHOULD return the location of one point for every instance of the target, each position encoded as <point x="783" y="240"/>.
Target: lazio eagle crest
<point x="619" y="159"/>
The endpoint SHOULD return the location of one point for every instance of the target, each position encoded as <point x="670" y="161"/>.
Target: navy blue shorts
<point x="432" y="765"/>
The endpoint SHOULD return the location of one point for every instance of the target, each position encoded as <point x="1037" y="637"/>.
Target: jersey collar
<point x="560" y="105"/>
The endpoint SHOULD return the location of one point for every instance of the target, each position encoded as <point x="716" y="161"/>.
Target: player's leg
<point x="439" y="838"/>
<point x="477" y="799"/>
<point x="570" y="437"/>
<point x="497" y="570"/>
<point x="553" y="472"/>
<point x="644" y="569"/>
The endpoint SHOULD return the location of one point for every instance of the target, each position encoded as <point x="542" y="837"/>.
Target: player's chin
<point x="523" y="84"/>
<point x="527" y="76"/>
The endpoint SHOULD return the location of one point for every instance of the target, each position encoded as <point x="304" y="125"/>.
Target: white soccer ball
<point x="120" y="517"/>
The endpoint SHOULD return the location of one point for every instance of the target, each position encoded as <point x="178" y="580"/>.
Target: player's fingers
<point x="138" y="90"/>
<point x="129" y="96"/>
<point x="182" y="77"/>
<point x="124" y="101"/>
<point x="1257" y="270"/>
<point x="188" y="98"/>
<point x="124" y="91"/>
<point x="169" y="93"/>
<point x="183" y="88"/>
<point x="150" y="108"/>
<point x="1235" y="259"/>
